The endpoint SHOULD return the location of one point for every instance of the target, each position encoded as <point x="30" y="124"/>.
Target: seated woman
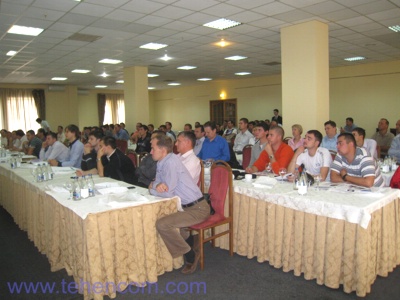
<point x="296" y="141"/>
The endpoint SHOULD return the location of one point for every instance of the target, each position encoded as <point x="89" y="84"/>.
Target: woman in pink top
<point x="296" y="141"/>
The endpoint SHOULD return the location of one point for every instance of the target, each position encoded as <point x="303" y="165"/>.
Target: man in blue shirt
<point x="329" y="141"/>
<point x="173" y="180"/>
<point x="214" y="146"/>
<point x="120" y="134"/>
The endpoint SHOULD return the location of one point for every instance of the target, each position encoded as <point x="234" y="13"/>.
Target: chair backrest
<point x="122" y="145"/>
<point x="333" y="154"/>
<point x="286" y="139"/>
<point x="132" y="155"/>
<point x="395" y="181"/>
<point x="220" y="185"/>
<point x="200" y="184"/>
<point x="378" y="151"/>
<point x="246" y="156"/>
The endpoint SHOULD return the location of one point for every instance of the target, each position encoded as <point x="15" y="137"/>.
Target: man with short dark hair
<point x="34" y="144"/>
<point x="151" y="128"/>
<point x="44" y="124"/>
<point x="72" y="134"/>
<point x="230" y="132"/>
<point x="361" y="141"/>
<point x="169" y="131"/>
<point x="383" y="136"/>
<point x="187" y="127"/>
<point x="276" y="117"/>
<point x="20" y="140"/>
<point x="214" y="146"/>
<point x="143" y="142"/>
<point x="353" y="164"/>
<point x="184" y="144"/>
<point x="53" y="149"/>
<point x="316" y="160"/>
<point x="329" y="141"/>
<point x="243" y="137"/>
<point x="89" y="163"/>
<point x="119" y="133"/>
<point x="350" y="126"/>
<point x="200" y="137"/>
<point x="261" y="140"/>
<point x="41" y="134"/>
<point x="173" y="180"/>
<point x="111" y="162"/>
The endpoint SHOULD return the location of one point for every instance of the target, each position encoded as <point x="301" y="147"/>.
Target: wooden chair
<point x="200" y="184"/>
<point x="133" y="157"/>
<point x="246" y="156"/>
<point x="122" y="145"/>
<point x="220" y="191"/>
<point x="378" y="151"/>
<point x="286" y="139"/>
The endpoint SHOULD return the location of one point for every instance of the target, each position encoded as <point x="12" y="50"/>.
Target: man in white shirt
<point x="394" y="149"/>
<point x="21" y="141"/>
<point x="60" y="134"/>
<point x="316" y="160"/>
<point x="200" y="137"/>
<point x="184" y="144"/>
<point x="243" y="137"/>
<point x="44" y="124"/>
<point x="368" y="144"/>
<point x="230" y="132"/>
<point x="53" y="149"/>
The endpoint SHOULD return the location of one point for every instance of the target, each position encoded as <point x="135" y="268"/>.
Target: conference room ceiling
<point x="117" y="28"/>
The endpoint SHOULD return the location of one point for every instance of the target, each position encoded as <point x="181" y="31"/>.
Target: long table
<point x="332" y="237"/>
<point x="94" y="242"/>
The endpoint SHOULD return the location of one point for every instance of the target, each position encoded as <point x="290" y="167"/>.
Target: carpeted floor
<point x="224" y="277"/>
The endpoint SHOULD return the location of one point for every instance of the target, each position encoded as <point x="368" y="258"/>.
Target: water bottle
<point x="303" y="184"/>
<point x="44" y="172"/>
<point x="39" y="173"/>
<point x="90" y="184"/>
<point x="50" y="174"/>
<point x="76" y="194"/>
<point x="84" y="188"/>
<point x="296" y="176"/>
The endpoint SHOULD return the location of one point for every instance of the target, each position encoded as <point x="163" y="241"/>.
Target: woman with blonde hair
<point x="296" y="141"/>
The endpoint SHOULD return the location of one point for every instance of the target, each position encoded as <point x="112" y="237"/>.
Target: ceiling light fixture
<point x="395" y="28"/>
<point x="186" y="68"/>
<point x="59" y="78"/>
<point x="151" y="88"/>
<point x="100" y="86"/>
<point x="204" y="79"/>
<point x="152" y="75"/>
<point x="222" y="24"/>
<point x="104" y="74"/>
<point x="81" y="71"/>
<point x="11" y="53"/>
<point x="110" y="61"/>
<point x="174" y="83"/>
<point x="242" y="73"/>
<point x="235" y="57"/>
<point x="165" y="57"/>
<point x="32" y="31"/>
<point x="153" y="46"/>
<point x="355" y="58"/>
<point x="119" y="81"/>
<point x="222" y="43"/>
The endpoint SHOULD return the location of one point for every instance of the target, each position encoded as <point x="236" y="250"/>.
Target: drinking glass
<point x="282" y="172"/>
<point x="268" y="168"/>
<point x="317" y="179"/>
<point x="69" y="187"/>
<point x="34" y="174"/>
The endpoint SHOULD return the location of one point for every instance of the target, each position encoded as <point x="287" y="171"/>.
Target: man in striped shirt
<point x="354" y="165"/>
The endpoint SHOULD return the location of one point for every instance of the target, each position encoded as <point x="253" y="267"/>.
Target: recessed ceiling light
<point x="120" y="81"/>
<point x="151" y="88"/>
<point x="104" y="74"/>
<point x="174" y="83"/>
<point x="236" y="57"/>
<point x="153" y="46"/>
<point x="165" y="57"/>
<point x="81" y="71"/>
<point x="100" y="86"/>
<point x="110" y="61"/>
<point x="395" y="28"/>
<point x="59" y="78"/>
<point x="204" y="79"/>
<point x="355" y="58"/>
<point x="32" y="31"/>
<point x="11" y="53"/>
<point x="222" y="43"/>
<point x="152" y="75"/>
<point x="186" y="67"/>
<point x="222" y="24"/>
<point x="242" y="73"/>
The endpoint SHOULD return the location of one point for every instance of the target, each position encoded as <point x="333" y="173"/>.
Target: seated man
<point x="60" y="134"/>
<point x="329" y="141"/>
<point x="350" y="126"/>
<point x="173" y="179"/>
<point x="119" y="133"/>
<point x="34" y="144"/>
<point x="261" y="140"/>
<point x="214" y="146"/>
<point x="315" y="159"/>
<point x="230" y="132"/>
<point x="43" y="124"/>
<point x="111" y="162"/>
<point x="200" y="137"/>
<point x="383" y="136"/>
<point x="143" y="141"/>
<point x="89" y="163"/>
<point x="75" y="149"/>
<point x="361" y="141"/>
<point x="353" y="164"/>
<point x="187" y="127"/>
<point x="5" y="135"/>
<point x="276" y="153"/>
<point x="169" y="132"/>
<point x="53" y="149"/>
<point x="184" y="144"/>
<point x="243" y="137"/>
<point x="41" y="134"/>
<point x="20" y="140"/>
<point x="394" y="149"/>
